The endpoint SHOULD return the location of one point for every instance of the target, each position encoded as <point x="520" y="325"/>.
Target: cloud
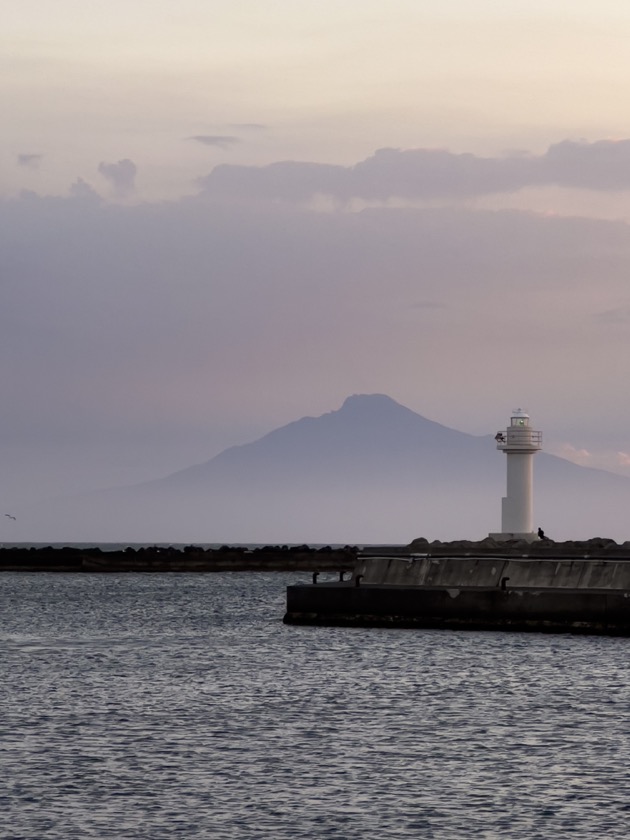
<point x="572" y="453"/>
<point x="220" y="141"/>
<point x="604" y="165"/>
<point x="29" y="161"/>
<point x="289" y="180"/>
<point x="426" y="174"/>
<point x="81" y="189"/>
<point x="120" y="175"/>
<point x="596" y="457"/>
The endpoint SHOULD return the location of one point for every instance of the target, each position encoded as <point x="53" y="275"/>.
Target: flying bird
<point x="9" y="515"/>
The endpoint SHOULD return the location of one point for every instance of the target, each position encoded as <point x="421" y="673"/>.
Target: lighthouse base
<point x="504" y="536"/>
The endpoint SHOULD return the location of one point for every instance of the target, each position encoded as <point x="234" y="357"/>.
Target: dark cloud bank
<point x="219" y="141"/>
<point x="430" y="174"/>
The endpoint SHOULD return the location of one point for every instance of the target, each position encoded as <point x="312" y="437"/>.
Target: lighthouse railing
<point x="519" y="438"/>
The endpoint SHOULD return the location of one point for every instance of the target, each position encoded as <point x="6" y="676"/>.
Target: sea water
<point x="179" y="705"/>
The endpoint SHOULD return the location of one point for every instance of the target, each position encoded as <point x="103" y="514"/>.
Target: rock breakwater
<point x="192" y="558"/>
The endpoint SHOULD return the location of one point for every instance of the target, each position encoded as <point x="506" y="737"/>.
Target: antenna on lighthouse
<point x="520" y="443"/>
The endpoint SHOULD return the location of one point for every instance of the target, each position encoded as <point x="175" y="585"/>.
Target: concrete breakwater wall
<point x="548" y="573"/>
<point x="546" y="610"/>
<point x="477" y="593"/>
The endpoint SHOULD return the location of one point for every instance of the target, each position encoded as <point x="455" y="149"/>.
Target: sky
<point x="216" y="218"/>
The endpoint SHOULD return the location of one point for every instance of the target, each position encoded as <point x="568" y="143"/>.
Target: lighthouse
<point x="520" y="443"/>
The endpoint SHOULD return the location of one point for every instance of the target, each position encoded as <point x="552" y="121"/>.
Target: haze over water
<point x="160" y="706"/>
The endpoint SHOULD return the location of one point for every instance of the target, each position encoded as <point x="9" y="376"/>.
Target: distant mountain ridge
<point x="367" y="431"/>
<point x="372" y="471"/>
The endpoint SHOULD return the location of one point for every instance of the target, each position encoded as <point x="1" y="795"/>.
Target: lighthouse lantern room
<point x="520" y="443"/>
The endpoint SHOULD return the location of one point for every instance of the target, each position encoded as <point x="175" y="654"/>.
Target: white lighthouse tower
<point x="520" y="443"/>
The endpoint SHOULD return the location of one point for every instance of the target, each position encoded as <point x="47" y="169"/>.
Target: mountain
<point x="372" y="471"/>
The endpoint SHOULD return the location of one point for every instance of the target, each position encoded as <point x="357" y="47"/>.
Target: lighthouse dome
<point x="519" y="418"/>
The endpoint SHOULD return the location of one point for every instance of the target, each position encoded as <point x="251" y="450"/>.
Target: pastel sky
<point x="218" y="217"/>
<point x="317" y="80"/>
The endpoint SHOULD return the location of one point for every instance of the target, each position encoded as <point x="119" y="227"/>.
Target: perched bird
<point x="9" y="515"/>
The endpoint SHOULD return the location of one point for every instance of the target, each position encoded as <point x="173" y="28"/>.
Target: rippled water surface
<point x="161" y="706"/>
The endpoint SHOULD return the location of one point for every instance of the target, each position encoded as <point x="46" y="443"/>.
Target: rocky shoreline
<point x="189" y="559"/>
<point x="597" y="547"/>
<point x="283" y="558"/>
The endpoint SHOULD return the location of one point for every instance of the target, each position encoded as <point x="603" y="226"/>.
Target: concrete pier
<point x="478" y="593"/>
